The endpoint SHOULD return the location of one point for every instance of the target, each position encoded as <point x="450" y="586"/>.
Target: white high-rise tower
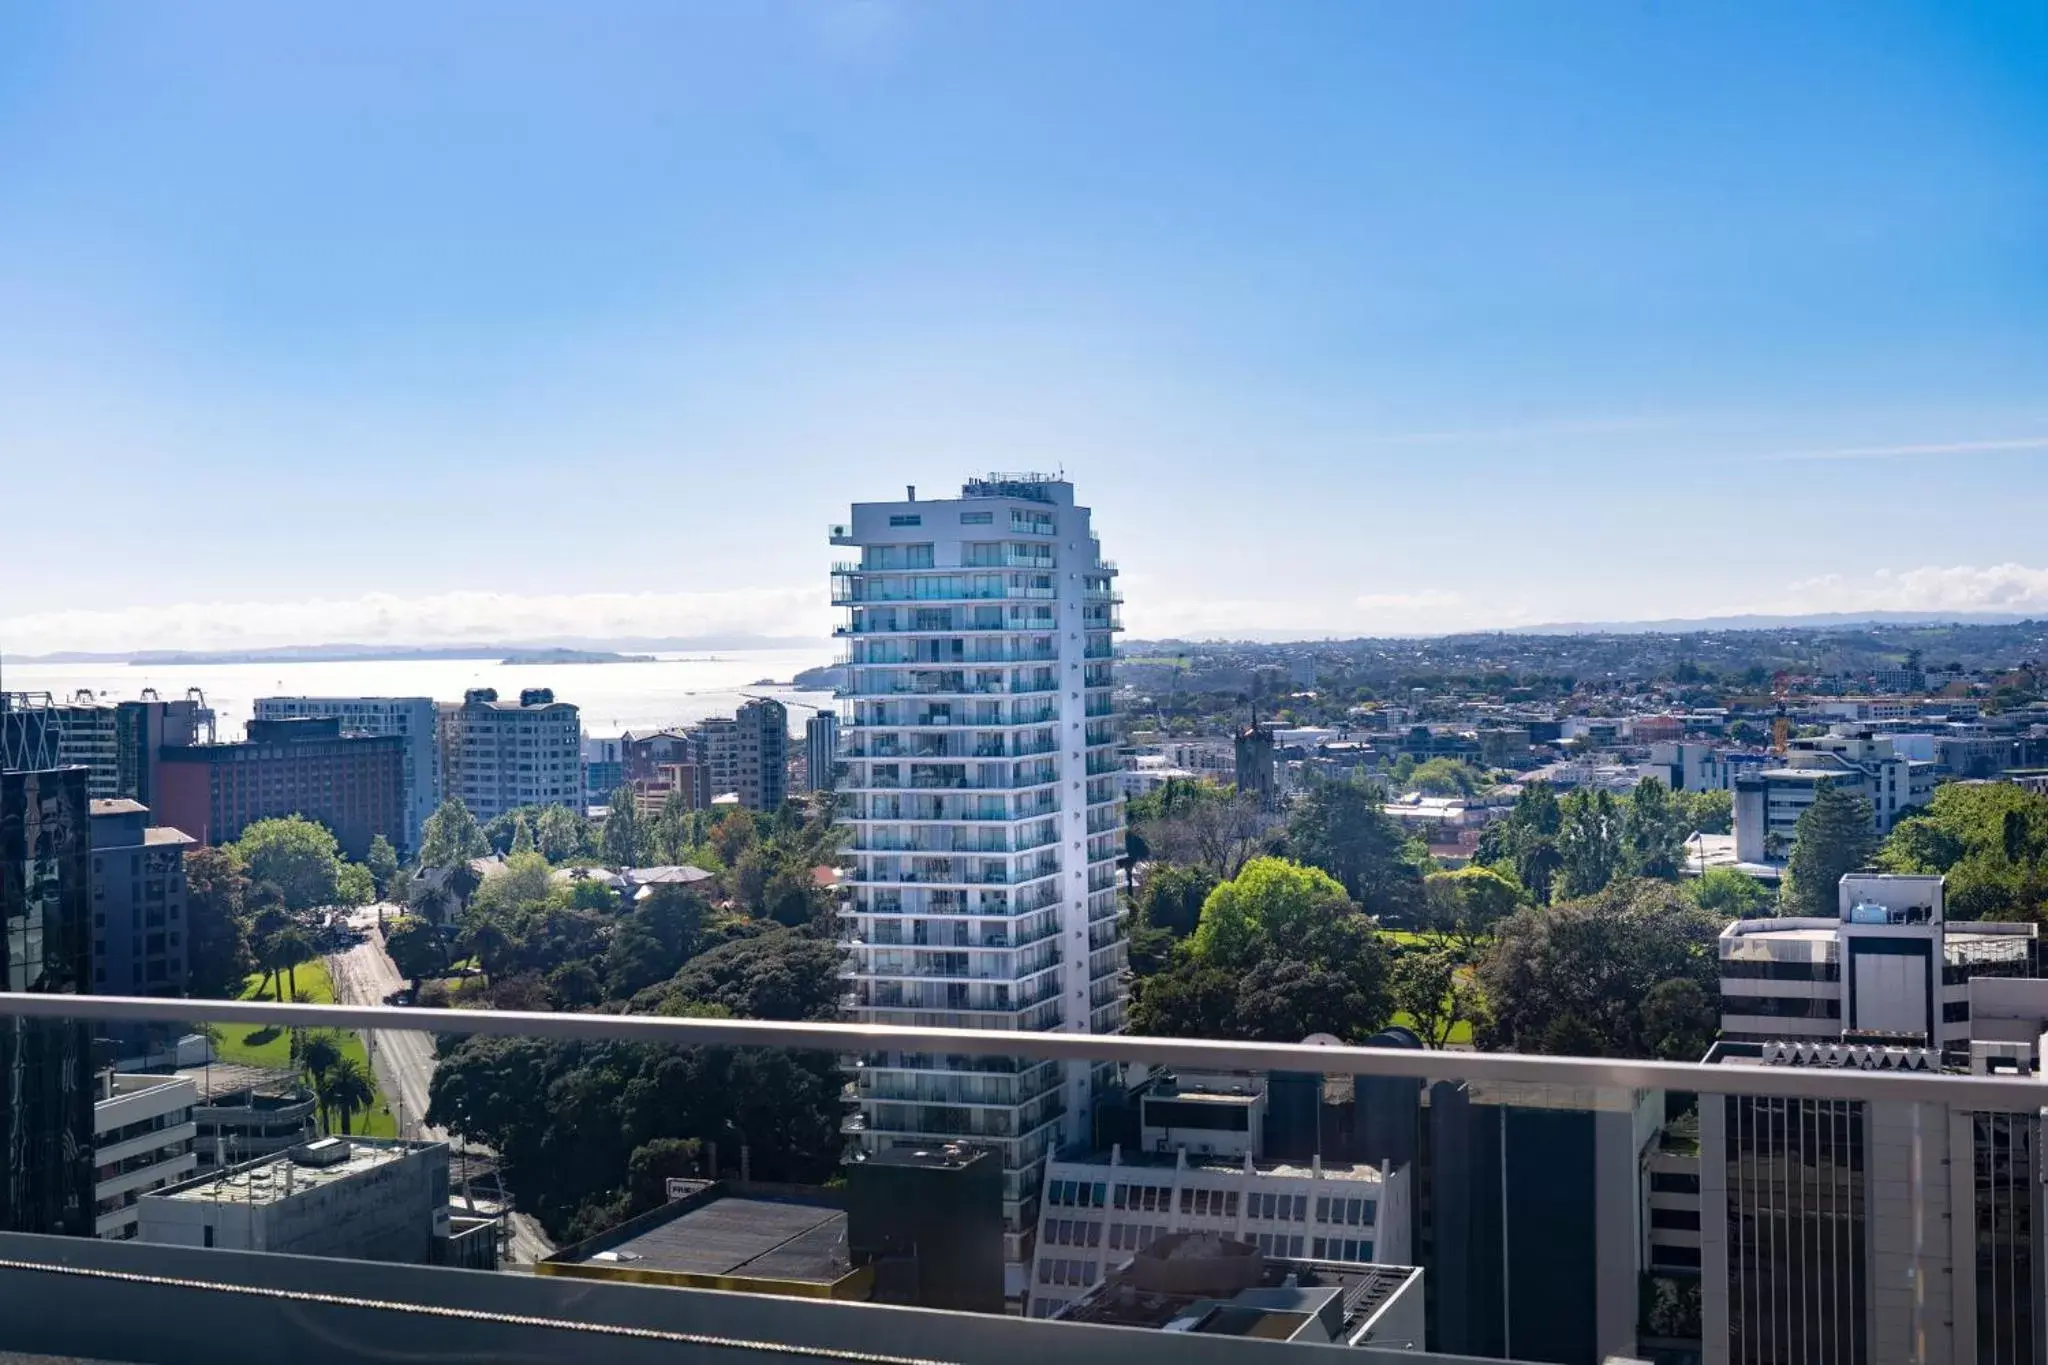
<point x="980" y="785"/>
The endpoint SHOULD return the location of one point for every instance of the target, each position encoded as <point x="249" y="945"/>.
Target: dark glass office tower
<point x="46" y="1167"/>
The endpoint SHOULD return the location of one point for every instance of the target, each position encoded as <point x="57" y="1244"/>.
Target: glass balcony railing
<point x="550" y="1164"/>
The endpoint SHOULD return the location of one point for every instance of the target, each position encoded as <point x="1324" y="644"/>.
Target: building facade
<point x="120" y="742"/>
<point x="353" y="784"/>
<point x="46" y="948"/>
<point x="412" y="719"/>
<point x="143" y="1139"/>
<point x="821" y="752"/>
<point x="763" y="776"/>
<point x="980" y="788"/>
<point x="604" y="769"/>
<point x="500" y="755"/>
<point x="138" y="902"/>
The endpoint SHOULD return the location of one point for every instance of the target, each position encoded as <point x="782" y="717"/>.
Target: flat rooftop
<point x="1281" y="1306"/>
<point x="265" y="1181"/>
<point x="1224" y="1165"/>
<point x="758" y="1236"/>
<point x="220" y="1079"/>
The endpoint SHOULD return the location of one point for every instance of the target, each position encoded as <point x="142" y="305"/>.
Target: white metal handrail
<point x="2016" y="1094"/>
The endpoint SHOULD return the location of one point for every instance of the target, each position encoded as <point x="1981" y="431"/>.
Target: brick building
<point x="353" y="784"/>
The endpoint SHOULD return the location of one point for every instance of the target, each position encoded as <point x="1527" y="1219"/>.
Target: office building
<point x="604" y="769"/>
<point x="143" y="1139"/>
<point x="1888" y="963"/>
<point x="120" y="743"/>
<point x="500" y="755"/>
<point x="412" y="719"/>
<point x="1207" y="1284"/>
<point x="138" y="902"/>
<point x="980" y="788"/>
<point x="46" y="1176"/>
<point x="763" y="772"/>
<point x="348" y="1197"/>
<point x="821" y="751"/>
<point x="1200" y="1165"/>
<point x="353" y="784"/>
<point x="1770" y="800"/>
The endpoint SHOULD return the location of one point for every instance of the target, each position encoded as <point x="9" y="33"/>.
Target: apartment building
<point x="821" y="751"/>
<point x="980" y="790"/>
<point x="604" y="769"/>
<point x="143" y="1139"/>
<point x="353" y="784"/>
<point x="500" y="755"/>
<point x="138" y="902"/>
<point x="412" y="719"/>
<point x="1888" y="963"/>
<point x="119" y="742"/>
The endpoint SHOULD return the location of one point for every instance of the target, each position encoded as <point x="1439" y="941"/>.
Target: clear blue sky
<point x="1345" y="317"/>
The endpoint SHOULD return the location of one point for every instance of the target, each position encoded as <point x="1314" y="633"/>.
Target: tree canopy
<point x="1342" y="827"/>
<point x="451" y="836"/>
<point x="297" y="856"/>
<point x="1835" y="835"/>
<point x="1990" y="839"/>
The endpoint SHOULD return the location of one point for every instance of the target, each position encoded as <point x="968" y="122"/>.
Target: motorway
<point x="404" y="1058"/>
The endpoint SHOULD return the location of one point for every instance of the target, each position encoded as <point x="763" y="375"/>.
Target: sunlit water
<point x="675" y="689"/>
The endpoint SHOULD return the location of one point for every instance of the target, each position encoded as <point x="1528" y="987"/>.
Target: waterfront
<point x="673" y="689"/>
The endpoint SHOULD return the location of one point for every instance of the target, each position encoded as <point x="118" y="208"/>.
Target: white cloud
<point x="1959" y="587"/>
<point x="454" y="617"/>
<point x="1913" y="452"/>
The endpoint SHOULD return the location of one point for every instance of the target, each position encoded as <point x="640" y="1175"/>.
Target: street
<point x="404" y="1058"/>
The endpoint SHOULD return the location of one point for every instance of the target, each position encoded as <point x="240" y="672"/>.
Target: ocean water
<point x="674" y="689"/>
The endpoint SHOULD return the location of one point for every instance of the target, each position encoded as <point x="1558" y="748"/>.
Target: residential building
<point x="1889" y="963"/>
<point x="500" y="755"/>
<point x="1208" y="1284"/>
<point x="347" y="1197"/>
<point x="821" y="751"/>
<point x="1200" y="1165"/>
<point x="122" y="742"/>
<point x="658" y="763"/>
<point x="1690" y="765"/>
<point x="138" y="913"/>
<point x="143" y="1139"/>
<point x="412" y="719"/>
<point x="604" y="769"/>
<point x="46" y="1175"/>
<point x="763" y="774"/>
<point x="353" y="784"/>
<point x="713" y="744"/>
<point x="980" y="788"/>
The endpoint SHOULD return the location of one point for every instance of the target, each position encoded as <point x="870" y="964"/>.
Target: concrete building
<point x="500" y="755"/>
<point x="143" y="1139"/>
<point x="604" y="769"/>
<point x="138" y="902"/>
<point x="371" y="1201"/>
<point x="46" y="1177"/>
<point x="241" y="1112"/>
<point x="121" y="742"/>
<point x="1201" y="1166"/>
<point x="821" y="751"/>
<point x="1691" y="765"/>
<point x="980" y="788"/>
<point x="412" y="719"/>
<point x="353" y="784"/>
<point x="1889" y="963"/>
<point x="763" y="776"/>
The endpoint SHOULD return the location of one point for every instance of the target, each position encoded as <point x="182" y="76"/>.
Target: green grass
<point x="1461" y="1032"/>
<point x="272" y="1047"/>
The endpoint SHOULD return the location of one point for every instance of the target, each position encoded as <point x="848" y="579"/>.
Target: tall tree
<point x="560" y="833"/>
<point x="287" y="950"/>
<point x="1835" y="835"/>
<point x="1574" y="978"/>
<point x="1652" y="832"/>
<point x="216" y="938"/>
<point x="1527" y="840"/>
<point x="349" y="1089"/>
<point x="1989" y="839"/>
<point x="1589" y="842"/>
<point x="451" y="836"/>
<point x="1728" y="894"/>
<point x="621" y="844"/>
<point x="318" y="1057"/>
<point x="383" y="864"/>
<point x="1462" y="907"/>
<point x="522" y="836"/>
<point x="417" y="948"/>
<point x="297" y="856"/>
<point x="1343" y="828"/>
<point x="1425" y="987"/>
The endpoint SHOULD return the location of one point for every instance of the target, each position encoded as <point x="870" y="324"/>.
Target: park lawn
<point x="271" y="1047"/>
<point x="1461" y="1032"/>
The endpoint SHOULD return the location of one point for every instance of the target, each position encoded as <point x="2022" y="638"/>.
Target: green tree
<point x="1574" y="978"/>
<point x="1171" y="896"/>
<point x="383" y="864"/>
<point x="216" y="938"/>
<point x="1589" y="842"/>
<point x="1726" y="893"/>
<point x="1989" y="839"/>
<point x="1835" y="835"/>
<point x="1462" y="907"/>
<point x="1343" y="828"/>
<point x="451" y="836"/>
<point x="524" y="882"/>
<point x="416" y="947"/>
<point x="1444" y="777"/>
<point x="297" y="856"/>
<point x="574" y="986"/>
<point x="1679" y="1020"/>
<point x="318" y="1057"/>
<point x="1708" y="812"/>
<point x="1526" y="842"/>
<point x="354" y="885"/>
<point x="522" y="836"/>
<point x="1652" y="832"/>
<point x="1425" y="987"/>
<point x="348" y="1089"/>
<point x="560" y="834"/>
<point x="432" y="903"/>
<point x="287" y="950"/>
<point x="621" y="844"/>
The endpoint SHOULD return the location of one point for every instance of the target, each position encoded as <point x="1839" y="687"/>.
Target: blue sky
<point x="497" y="319"/>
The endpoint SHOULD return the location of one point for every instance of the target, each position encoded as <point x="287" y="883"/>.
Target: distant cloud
<point x="1913" y="452"/>
<point x="1960" y="587"/>
<point x="455" y="618"/>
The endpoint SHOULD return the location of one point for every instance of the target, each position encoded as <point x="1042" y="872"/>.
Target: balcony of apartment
<point x="1006" y="557"/>
<point x="943" y="778"/>
<point x="904" y="963"/>
<point x="152" y="1301"/>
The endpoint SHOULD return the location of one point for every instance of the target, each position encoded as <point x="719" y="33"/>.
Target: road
<point x="404" y="1058"/>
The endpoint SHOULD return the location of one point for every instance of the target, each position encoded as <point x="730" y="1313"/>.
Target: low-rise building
<point x="370" y="1201"/>
<point x="143" y="1138"/>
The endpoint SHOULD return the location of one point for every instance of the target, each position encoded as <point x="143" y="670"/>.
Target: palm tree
<point x="319" y="1056"/>
<point x="348" y="1088"/>
<point x="431" y="904"/>
<point x="290" y="948"/>
<point x="463" y="880"/>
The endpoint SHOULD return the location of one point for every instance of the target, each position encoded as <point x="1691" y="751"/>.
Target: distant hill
<point x="1687" y="625"/>
<point x="345" y="653"/>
